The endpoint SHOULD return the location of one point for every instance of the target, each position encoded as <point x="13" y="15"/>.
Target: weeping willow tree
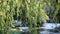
<point x="28" y="11"/>
<point x="35" y="13"/>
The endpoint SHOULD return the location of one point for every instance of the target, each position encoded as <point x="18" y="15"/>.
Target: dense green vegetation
<point x="32" y="11"/>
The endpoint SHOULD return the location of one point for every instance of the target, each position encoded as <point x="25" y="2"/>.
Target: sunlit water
<point x="49" y="26"/>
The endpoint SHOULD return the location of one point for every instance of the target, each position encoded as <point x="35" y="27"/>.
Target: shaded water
<point x="47" y="32"/>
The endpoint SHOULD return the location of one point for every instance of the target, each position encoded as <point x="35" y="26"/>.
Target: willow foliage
<point x="29" y="11"/>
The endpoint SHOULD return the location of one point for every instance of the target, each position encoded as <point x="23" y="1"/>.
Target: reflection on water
<point x="47" y="32"/>
<point x="49" y="27"/>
